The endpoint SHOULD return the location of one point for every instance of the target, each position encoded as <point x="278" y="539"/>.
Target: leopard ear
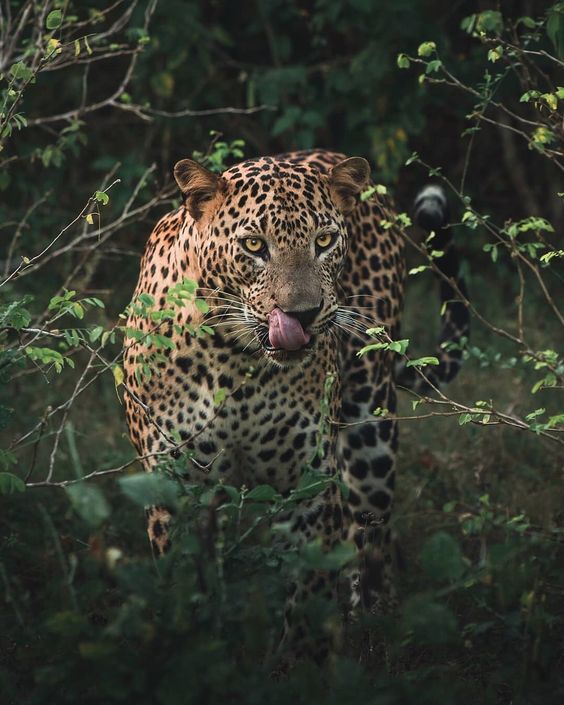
<point x="201" y="187"/>
<point x="346" y="180"/>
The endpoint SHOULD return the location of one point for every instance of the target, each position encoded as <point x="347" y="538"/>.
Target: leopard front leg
<point x="158" y="525"/>
<point x="151" y="445"/>
<point x="368" y="447"/>
<point x="321" y="519"/>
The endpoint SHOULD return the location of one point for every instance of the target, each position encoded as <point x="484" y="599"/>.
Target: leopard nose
<point x="306" y="317"/>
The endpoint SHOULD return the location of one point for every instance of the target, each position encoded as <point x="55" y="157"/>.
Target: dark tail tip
<point x="431" y="212"/>
<point x="431" y="208"/>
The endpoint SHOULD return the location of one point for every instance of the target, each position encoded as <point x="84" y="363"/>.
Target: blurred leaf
<point x="54" y="19"/>
<point x="14" y="315"/>
<point x="67" y="623"/>
<point x="316" y="558"/>
<point x="202" y="305"/>
<point x="150" y="488"/>
<point x="21" y="72"/>
<point x="219" y="396"/>
<point x="422" y="361"/>
<point x="555" y="28"/>
<point x="119" y="375"/>
<point x="6" y="414"/>
<point x="261" y="493"/>
<point x="441" y="558"/>
<point x="89" y="503"/>
<point x="403" y="61"/>
<point x="427" y="622"/>
<point x="426" y="49"/>
<point x="10" y="484"/>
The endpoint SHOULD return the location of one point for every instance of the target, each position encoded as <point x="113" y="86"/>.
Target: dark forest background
<point x="98" y="101"/>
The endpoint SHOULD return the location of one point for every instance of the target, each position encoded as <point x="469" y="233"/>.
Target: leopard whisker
<point x="353" y="312"/>
<point x="351" y="328"/>
<point x="352" y="324"/>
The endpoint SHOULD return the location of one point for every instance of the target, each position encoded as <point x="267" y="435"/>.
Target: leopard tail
<point x="431" y="213"/>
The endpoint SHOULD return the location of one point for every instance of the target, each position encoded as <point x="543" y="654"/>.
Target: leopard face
<point x="270" y="240"/>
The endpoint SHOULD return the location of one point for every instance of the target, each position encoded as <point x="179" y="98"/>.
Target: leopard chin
<point x="289" y="358"/>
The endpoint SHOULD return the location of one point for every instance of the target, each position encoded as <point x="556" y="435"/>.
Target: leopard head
<point x="270" y="239"/>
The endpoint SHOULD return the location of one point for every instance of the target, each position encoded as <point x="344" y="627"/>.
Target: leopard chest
<point x="244" y="424"/>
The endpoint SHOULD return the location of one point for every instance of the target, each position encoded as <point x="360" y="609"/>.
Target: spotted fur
<point x="267" y="429"/>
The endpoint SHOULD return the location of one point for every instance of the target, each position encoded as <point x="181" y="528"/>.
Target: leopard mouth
<point x="281" y="354"/>
<point x="286" y="355"/>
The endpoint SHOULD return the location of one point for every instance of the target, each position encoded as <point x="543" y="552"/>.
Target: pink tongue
<point x="285" y="331"/>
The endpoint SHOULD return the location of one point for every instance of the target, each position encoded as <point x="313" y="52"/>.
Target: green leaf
<point x="310" y="485"/>
<point x="261" y="493"/>
<point x="95" y="333"/>
<point x="10" y="484"/>
<point x="163" y="341"/>
<point x="316" y="558"/>
<point x="535" y="414"/>
<point x="403" y="61"/>
<point x="422" y="361"/>
<point x="373" y="332"/>
<point x="119" y="375"/>
<point x="418" y="270"/>
<point x="150" y="488"/>
<point x="528" y="95"/>
<point x="380" y="189"/>
<point x="21" y="72"/>
<point x="102" y="197"/>
<point x="490" y="21"/>
<point x="54" y="19"/>
<point x="146" y="299"/>
<point x="371" y="347"/>
<point x="469" y="23"/>
<point x="14" y="315"/>
<point x="557" y="420"/>
<point x="219" y="396"/>
<point x="89" y="503"/>
<point x="7" y="458"/>
<point x="46" y="356"/>
<point x="441" y="558"/>
<point x="202" y="305"/>
<point x="528" y="22"/>
<point x="426" y="49"/>
<point x="551" y="100"/>
<point x="399" y="346"/>
<point x="433" y="66"/>
<point x="495" y="54"/>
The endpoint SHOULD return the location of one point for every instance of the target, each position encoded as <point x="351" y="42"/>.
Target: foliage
<point x="97" y="102"/>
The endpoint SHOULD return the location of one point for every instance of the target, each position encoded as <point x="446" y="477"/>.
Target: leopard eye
<point x="324" y="240"/>
<point x="255" y="245"/>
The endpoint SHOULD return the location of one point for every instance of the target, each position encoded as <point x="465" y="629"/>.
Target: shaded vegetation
<point x="98" y="102"/>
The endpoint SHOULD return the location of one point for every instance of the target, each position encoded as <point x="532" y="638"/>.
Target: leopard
<point x="295" y="266"/>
